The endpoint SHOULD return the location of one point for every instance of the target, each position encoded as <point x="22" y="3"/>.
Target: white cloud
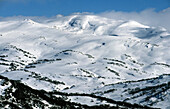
<point x="147" y="17"/>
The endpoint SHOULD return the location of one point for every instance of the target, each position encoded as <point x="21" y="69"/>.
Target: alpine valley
<point x="83" y="61"/>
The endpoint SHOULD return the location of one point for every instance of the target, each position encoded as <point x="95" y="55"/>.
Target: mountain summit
<point x="83" y="61"/>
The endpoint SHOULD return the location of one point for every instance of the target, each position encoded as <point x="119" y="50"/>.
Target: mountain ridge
<point x="86" y="53"/>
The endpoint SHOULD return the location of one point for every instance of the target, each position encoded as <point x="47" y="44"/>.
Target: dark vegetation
<point x="20" y="96"/>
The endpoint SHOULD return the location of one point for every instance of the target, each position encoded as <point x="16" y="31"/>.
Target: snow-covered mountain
<point x="83" y="61"/>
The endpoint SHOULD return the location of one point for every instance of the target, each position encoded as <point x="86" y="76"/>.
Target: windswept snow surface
<point x="120" y="60"/>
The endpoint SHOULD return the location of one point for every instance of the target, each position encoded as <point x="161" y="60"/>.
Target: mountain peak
<point x="91" y="24"/>
<point x="83" y="58"/>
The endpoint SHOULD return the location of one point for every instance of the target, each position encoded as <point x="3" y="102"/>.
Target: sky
<point x="149" y="12"/>
<point x="66" y="7"/>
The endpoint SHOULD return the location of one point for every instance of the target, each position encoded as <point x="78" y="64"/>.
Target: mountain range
<point x="83" y="61"/>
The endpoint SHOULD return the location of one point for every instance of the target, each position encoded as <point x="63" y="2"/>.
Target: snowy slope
<point x="88" y="54"/>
